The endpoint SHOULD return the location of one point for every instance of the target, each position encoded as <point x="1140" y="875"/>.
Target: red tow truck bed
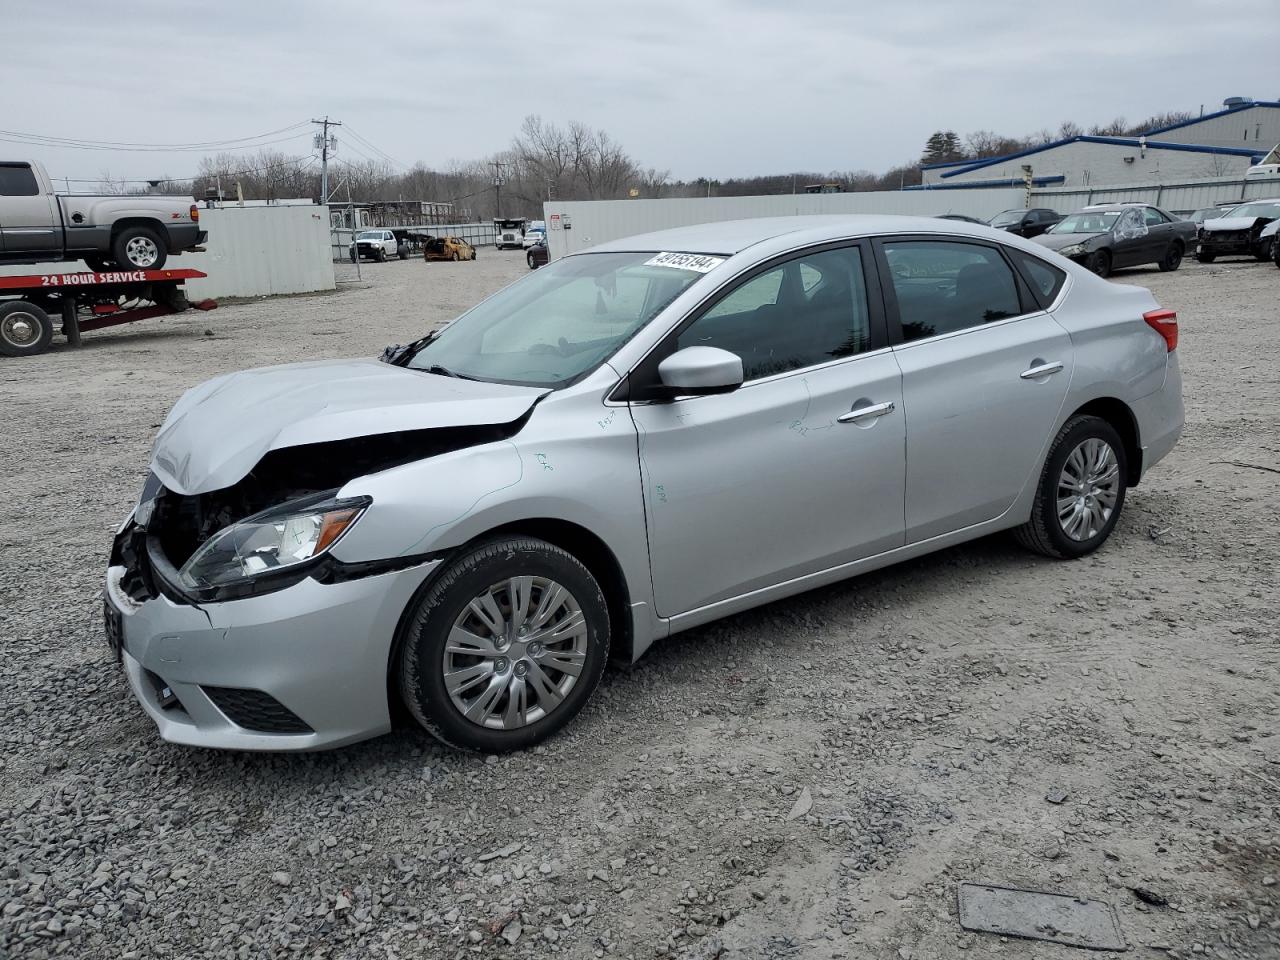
<point x="87" y="300"/>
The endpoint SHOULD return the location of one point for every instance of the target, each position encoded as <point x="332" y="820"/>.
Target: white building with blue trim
<point x="1221" y="144"/>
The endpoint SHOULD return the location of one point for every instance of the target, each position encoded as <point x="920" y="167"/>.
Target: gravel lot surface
<point x="811" y="779"/>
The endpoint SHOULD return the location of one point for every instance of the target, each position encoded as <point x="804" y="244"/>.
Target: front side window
<point x="18" y="180"/>
<point x="806" y="311"/>
<point x="943" y="286"/>
<point x="558" y="323"/>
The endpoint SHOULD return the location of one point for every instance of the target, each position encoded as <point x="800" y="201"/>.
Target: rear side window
<point x="1153" y="217"/>
<point x="17" y="180"/>
<point x="944" y="286"/>
<point x="1045" y="279"/>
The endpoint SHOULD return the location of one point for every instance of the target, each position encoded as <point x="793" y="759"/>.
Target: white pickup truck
<point x="38" y="224"/>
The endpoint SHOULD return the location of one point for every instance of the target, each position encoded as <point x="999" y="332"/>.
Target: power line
<point x="376" y="149"/>
<point x="291" y="161"/>
<point x="128" y="146"/>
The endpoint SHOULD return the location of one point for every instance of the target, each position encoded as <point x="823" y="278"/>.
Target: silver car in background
<point x="632" y="441"/>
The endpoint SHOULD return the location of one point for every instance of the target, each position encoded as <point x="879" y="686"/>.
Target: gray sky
<point x="699" y="87"/>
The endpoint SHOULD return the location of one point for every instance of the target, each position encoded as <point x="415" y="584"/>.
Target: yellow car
<point x="447" y="248"/>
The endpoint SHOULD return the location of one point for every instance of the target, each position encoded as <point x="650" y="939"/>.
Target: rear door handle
<point x="1042" y="370"/>
<point x="866" y="413"/>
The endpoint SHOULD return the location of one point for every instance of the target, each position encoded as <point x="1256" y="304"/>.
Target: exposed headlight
<point x="1072" y="250"/>
<point x="271" y="541"/>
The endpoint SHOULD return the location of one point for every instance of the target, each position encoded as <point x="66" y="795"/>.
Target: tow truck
<point x="84" y="301"/>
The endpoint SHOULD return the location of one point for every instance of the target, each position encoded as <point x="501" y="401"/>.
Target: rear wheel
<point x="25" y="329"/>
<point x="1172" y="257"/>
<point x="532" y="264"/>
<point x="1205" y="257"/>
<point x="139" y="248"/>
<point x="1100" y="263"/>
<point x="505" y="647"/>
<point x="1081" y="491"/>
<point x="456" y="256"/>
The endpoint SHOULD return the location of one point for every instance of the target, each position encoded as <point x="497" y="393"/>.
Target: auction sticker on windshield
<point x="697" y="262"/>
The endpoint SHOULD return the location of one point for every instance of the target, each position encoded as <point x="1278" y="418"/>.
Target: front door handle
<point x="866" y="413"/>
<point x="1041" y="370"/>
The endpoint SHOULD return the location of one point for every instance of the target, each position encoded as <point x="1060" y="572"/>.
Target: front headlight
<point x="271" y="541"/>
<point x="1072" y="250"/>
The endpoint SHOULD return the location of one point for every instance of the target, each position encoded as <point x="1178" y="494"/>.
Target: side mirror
<point x="700" y="371"/>
<point x="1028" y="220"/>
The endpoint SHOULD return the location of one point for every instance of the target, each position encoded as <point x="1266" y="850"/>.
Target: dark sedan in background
<point x="1025" y="223"/>
<point x="1112" y="235"/>
<point x="1239" y="232"/>
<point x="537" y="255"/>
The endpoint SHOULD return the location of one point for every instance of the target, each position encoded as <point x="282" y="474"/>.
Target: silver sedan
<point x="635" y="440"/>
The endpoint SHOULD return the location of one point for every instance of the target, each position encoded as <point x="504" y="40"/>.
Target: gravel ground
<point x="810" y="779"/>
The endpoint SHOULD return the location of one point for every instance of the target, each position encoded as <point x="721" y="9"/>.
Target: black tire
<point x="420" y="667"/>
<point x="473" y="253"/>
<point x="130" y="243"/>
<point x="1172" y="257"/>
<point x="1265" y="249"/>
<point x="532" y="264"/>
<point x="456" y="256"/>
<point x="1100" y="263"/>
<point x="1044" y="532"/>
<point x="25" y="329"/>
<point x="97" y="264"/>
<point x="381" y="255"/>
<point x="1204" y="257"/>
<point x="402" y="254"/>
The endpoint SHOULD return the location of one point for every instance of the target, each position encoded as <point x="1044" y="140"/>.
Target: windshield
<point x="1006" y="218"/>
<point x="1100" y="221"/>
<point x="1209" y="213"/>
<point x="1271" y="210"/>
<point x="557" y="324"/>
<point x="370" y="235"/>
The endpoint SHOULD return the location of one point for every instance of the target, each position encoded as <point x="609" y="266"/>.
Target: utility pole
<point x="498" y="181"/>
<point x="326" y="145"/>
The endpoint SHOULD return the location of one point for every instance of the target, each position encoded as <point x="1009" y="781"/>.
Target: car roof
<point x="733" y="236"/>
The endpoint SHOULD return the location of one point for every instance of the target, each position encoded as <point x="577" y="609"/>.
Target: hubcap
<point x="20" y="329"/>
<point x="142" y="251"/>
<point x="515" y="652"/>
<point x="1087" y="489"/>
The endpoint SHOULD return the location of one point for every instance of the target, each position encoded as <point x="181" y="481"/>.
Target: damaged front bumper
<point x="302" y="668"/>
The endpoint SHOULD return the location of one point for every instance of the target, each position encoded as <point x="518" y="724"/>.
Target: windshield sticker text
<point x="697" y="262"/>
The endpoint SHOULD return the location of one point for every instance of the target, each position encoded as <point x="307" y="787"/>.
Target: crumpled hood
<point x="218" y="431"/>
<point x="1056" y="241"/>
<point x="1228" y="223"/>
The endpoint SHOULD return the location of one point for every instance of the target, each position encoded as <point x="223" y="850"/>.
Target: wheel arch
<point x="1117" y="413"/>
<point x="570" y="537"/>
<point x="149" y="222"/>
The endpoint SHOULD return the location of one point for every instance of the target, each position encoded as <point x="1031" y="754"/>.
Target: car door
<point x="798" y="470"/>
<point x="1129" y="239"/>
<point x="28" y="218"/>
<point x="984" y="375"/>
<point x="1160" y="233"/>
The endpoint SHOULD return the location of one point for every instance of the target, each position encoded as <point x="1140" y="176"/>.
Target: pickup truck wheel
<point x="139" y="248"/>
<point x="25" y="329"/>
<point x="381" y="255"/>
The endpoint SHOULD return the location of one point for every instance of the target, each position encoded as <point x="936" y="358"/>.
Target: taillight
<point x="1165" y="323"/>
<point x="195" y="214"/>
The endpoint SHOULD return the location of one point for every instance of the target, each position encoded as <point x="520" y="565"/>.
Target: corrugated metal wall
<point x="1176" y="196"/>
<point x="591" y="222"/>
<point x="259" y="251"/>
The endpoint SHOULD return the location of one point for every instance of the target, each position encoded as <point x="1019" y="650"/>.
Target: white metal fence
<point x="262" y="250"/>
<point x="1178" y="196"/>
<point x="576" y="225"/>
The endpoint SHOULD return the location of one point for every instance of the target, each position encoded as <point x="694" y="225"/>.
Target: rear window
<point x="17" y="180"/>
<point x="1045" y="279"/>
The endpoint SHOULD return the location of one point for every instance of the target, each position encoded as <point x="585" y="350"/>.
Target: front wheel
<point x="25" y="329"/>
<point x="381" y="256"/>
<point x="1100" y="263"/>
<point x="505" y="646"/>
<point x="139" y="248"/>
<point x="456" y="256"/>
<point x="1265" y="249"/>
<point x="1172" y="258"/>
<point x="532" y="264"/>
<point x="1081" y="491"/>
